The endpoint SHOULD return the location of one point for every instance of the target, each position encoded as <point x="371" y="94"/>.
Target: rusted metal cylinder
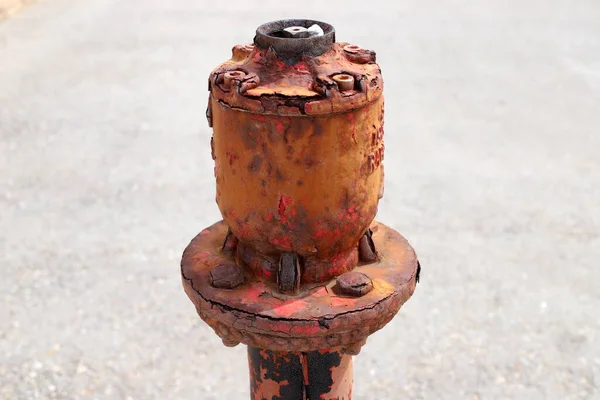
<point x="298" y="269"/>
<point x="285" y="375"/>
<point x="297" y="153"/>
<point x="289" y="184"/>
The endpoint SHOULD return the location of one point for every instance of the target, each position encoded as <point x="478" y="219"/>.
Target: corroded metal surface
<point x="254" y="313"/>
<point x="322" y="374"/>
<point x="308" y="185"/>
<point x="269" y="86"/>
<point x="298" y="270"/>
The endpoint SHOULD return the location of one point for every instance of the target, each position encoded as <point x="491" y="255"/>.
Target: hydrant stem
<point x="321" y="374"/>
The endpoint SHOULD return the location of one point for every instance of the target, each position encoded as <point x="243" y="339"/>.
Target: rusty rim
<point x="254" y="313"/>
<point x="292" y="49"/>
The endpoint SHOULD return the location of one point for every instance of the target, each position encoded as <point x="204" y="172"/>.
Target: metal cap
<point x="292" y="39"/>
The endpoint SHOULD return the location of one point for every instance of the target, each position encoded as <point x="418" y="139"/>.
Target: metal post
<point x="294" y="375"/>
<point x="298" y="269"/>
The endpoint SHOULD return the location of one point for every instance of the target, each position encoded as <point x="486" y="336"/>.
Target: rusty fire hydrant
<point x="298" y="270"/>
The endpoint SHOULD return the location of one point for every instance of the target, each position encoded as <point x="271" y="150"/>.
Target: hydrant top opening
<point x="292" y="39"/>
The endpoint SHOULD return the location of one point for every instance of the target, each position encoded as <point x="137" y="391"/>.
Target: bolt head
<point x="344" y="81"/>
<point x="353" y="284"/>
<point x="226" y="276"/>
<point x="352" y="48"/>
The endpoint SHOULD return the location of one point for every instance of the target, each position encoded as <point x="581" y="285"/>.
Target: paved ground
<point x="493" y="174"/>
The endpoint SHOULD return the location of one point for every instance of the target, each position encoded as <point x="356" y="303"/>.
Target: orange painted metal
<point x="308" y="185"/>
<point x="298" y="269"/>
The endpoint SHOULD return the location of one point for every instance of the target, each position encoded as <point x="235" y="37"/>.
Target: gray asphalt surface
<point x="492" y="167"/>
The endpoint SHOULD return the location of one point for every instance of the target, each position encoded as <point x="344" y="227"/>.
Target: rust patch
<point x="255" y="164"/>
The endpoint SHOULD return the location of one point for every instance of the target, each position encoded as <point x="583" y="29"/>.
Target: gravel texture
<point x="492" y="167"/>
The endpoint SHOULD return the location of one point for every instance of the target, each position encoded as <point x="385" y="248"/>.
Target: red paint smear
<point x="269" y="217"/>
<point x="251" y="295"/>
<point x="279" y="126"/>
<point x="285" y="242"/>
<point x="321" y="292"/>
<point x="321" y="233"/>
<point x="301" y="67"/>
<point x="284" y="201"/>
<point x="258" y="117"/>
<point x="288" y="308"/>
<point x="258" y="56"/>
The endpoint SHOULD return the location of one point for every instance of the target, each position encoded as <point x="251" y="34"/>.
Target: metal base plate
<point x="255" y="314"/>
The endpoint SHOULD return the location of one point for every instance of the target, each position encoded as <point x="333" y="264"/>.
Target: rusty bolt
<point x="359" y="55"/>
<point x="226" y="276"/>
<point x="240" y="52"/>
<point x="344" y="81"/>
<point x="225" y="335"/>
<point x="231" y="242"/>
<point x="288" y="273"/>
<point x="366" y="248"/>
<point x="354" y="284"/>
<point x="352" y="48"/>
<point x="231" y="76"/>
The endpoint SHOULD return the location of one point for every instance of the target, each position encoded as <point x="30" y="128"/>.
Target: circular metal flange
<point x="255" y="314"/>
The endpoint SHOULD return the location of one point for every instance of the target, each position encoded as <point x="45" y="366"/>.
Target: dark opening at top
<point x="293" y="39"/>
